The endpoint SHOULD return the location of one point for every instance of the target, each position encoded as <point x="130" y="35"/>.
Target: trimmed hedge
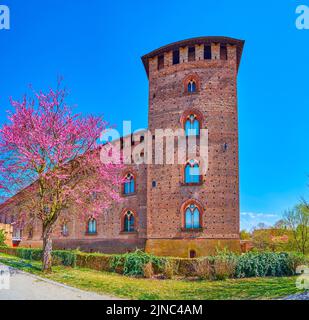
<point x="96" y="261"/>
<point x="223" y="265"/>
<point x="60" y="257"/>
<point x="133" y="264"/>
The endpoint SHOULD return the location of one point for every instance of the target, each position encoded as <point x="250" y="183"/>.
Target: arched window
<point x="92" y="226"/>
<point x="30" y="232"/>
<point x="192" y="172"/>
<point x="191" y="83"/>
<point x="191" y="86"/>
<point x="65" y="229"/>
<point x="129" y="221"/>
<point x="129" y="184"/>
<point x="192" y="217"/>
<point x="192" y="125"/>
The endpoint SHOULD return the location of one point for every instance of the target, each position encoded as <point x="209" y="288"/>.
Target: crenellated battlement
<point x="201" y="51"/>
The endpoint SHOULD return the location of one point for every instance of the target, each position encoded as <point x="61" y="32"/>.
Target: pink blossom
<point x="45" y="145"/>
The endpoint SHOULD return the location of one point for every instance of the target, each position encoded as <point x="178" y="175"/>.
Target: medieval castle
<point x="166" y="210"/>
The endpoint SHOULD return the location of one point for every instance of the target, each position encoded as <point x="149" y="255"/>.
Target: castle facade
<point x="173" y="209"/>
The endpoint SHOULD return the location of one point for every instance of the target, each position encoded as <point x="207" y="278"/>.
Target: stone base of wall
<point x="159" y="247"/>
<point x="31" y="244"/>
<point x="181" y="248"/>
<point x="100" y="245"/>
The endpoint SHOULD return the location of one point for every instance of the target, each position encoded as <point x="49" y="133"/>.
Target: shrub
<point x="133" y="263"/>
<point x="8" y="250"/>
<point x="65" y="258"/>
<point x="60" y="257"/>
<point x="148" y="270"/>
<point x="29" y="254"/>
<point x="224" y="268"/>
<point x="264" y="264"/>
<point x="170" y="268"/>
<point x="2" y="238"/>
<point x="224" y="264"/>
<point x="297" y="259"/>
<point x="100" y="262"/>
<point x="203" y="269"/>
<point x="184" y="267"/>
<point x="117" y="263"/>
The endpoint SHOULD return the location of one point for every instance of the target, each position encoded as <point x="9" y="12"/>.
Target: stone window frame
<point x="184" y="183"/>
<point x="183" y="209"/>
<point x="134" y="174"/>
<point x="87" y="227"/>
<point x="187" y="113"/>
<point x="134" y="213"/>
<point x="192" y="77"/>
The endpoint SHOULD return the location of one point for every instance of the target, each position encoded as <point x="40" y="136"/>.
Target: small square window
<point x="160" y="62"/>
<point x="223" y="52"/>
<point x="176" y="57"/>
<point x="191" y="54"/>
<point x="207" y="52"/>
<point x="154" y="184"/>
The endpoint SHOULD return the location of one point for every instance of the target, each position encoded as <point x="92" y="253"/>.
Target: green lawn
<point x="132" y="288"/>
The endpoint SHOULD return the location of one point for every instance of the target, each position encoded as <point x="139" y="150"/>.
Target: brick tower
<point x="193" y="84"/>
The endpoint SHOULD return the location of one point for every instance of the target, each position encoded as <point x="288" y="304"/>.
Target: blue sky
<point x="96" y="45"/>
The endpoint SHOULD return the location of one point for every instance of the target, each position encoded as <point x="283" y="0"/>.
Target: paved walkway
<point x="301" y="296"/>
<point x="24" y="286"/>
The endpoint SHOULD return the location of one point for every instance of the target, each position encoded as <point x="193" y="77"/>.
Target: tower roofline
<point x="195" y="41"/>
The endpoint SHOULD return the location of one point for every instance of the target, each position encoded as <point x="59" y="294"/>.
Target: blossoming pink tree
<point x="52" y="156"/>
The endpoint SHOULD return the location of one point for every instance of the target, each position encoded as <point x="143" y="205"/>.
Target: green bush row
<point x="223" y="265"/>
<point x="60" y="257"/>
<point x="268" y="264"/>
<point x="133" y="263"/>
<point x="130" y="264"/>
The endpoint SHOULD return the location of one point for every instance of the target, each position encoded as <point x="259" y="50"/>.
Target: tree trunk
<point x="47" y="249"/>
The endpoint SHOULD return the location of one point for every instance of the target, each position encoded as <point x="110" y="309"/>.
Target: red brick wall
<point x="217" y="101"/>
<point x="110" y="236"/>
<point x="159" y="217"/>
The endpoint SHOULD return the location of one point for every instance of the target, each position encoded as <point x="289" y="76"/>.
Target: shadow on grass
<point x="21" y="265"/>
